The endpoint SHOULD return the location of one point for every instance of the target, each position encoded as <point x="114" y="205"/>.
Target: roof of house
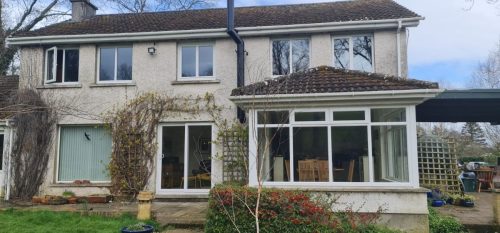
<point x="360" y="10"/>
<point x="325" y="79"/>
<point x="8" y="86"/>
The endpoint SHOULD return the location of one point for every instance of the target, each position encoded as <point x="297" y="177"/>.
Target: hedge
<point x="231" y="207"/>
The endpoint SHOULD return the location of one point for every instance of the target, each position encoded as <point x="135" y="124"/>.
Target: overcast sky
<point x="448" y="45"/>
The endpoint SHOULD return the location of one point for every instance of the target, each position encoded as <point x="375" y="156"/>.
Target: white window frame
<point x="289" y="39"/>
<point x="411" y="146"/>
<point x="116" y="47"/>
<point x="185" y="189"/>
<point x="197" y="58"/>
<point x="58" y="156"/>
<point x="53" y="80"/>
<point x="351" y="49"/>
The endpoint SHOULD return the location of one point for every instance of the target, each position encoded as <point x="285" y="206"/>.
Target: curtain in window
<point x="84" y="153"/>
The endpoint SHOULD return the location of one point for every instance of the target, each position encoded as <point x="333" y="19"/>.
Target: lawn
<point x="19" y="221"/>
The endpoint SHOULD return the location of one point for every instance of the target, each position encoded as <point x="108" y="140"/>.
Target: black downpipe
<point x="240" y="53"/>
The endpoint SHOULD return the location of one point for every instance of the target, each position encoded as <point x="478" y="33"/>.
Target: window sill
<point x="97" y="185"/>
<point x="182" y="82"/>
<point x="53" y="86"/>
<point x="113" y="84"/>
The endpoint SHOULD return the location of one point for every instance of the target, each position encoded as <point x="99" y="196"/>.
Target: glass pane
<point x="59" y="66"/>
<point x="300" y="55"/>
<point x="107" y="64"/>
<point x="273" y="117"/>
<point x="71" y="65"/>
<point x="188" y="61"/>
<point x="341" y="53"/>
<point x="310" y="116"/>
<point x="50" y="64"/>
<point x="1" y="150"/>
<point x="349" y="116"/>
<point x="362" y="53"/>
<point x="206" y="61"/>
<point x="199" y="160"/>
<point x="172" y="162"/>
<point x="124" y="64"/>
<point x="310" y="154"/>
<point x="281" y="57"/>
<point x="390" y="154"/>
<point x="274" y="152"/>
<point x="350" y="154"/>
<point x="85" y="152"/>
<point x="388" y="115"/>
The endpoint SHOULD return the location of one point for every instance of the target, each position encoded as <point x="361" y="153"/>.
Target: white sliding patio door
<point x="185" y="158"/>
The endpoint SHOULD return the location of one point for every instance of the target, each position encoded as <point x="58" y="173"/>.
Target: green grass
<point x="20" y="221"/>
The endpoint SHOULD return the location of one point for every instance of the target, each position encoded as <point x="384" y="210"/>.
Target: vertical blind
<point x="84" y="153"/>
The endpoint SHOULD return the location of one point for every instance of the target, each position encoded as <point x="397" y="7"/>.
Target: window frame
<point x="197" y="46"/>
<point x="351" y="49"/>
<point x="409" y="124"/>
<point x="58" y="153"/>
<point x="289" y="39"/>
<point x="53" y="81"/>
<point x="115" y="80"/>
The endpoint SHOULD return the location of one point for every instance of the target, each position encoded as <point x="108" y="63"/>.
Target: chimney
<point x="81" y="9"/>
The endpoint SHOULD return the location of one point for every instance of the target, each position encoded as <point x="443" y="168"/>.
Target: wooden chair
<point x="484" y="176"/>
<point x="322" y="170"/>
<point x="350" y="173"/>
<point x="307" y="170"/>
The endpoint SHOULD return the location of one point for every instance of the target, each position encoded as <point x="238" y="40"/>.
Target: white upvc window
<point x="61" y="65"/>
<point x="290" y="55"/>
<point x="355" y="146"/>
<point x="196" y="61"/>
<point x="115" y="64"/>
<point x="353" y="52"/>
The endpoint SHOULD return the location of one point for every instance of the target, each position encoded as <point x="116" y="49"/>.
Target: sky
<point x="448" y="45"/>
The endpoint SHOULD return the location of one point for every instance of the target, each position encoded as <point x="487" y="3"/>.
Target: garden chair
<point x="484" y="176"/>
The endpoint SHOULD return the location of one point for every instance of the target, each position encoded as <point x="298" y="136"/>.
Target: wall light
<point x="152" y="50"/>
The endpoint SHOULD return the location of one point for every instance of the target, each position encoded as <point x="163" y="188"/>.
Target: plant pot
<point x="97" y="199"/>
<point x="429" y="194"/>
<point x="36" y="200"/>
<point x="465" y="203"/>
<point x="147" y="229"/>
<point x="438" y="203"/>
<point x="82" y="200"/>
<point x="72" y="200"/>
<point x="449" y="201"/>
<point x="57" y="201"/>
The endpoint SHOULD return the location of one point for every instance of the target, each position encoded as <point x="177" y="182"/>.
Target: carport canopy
<point x="473" y="105"/>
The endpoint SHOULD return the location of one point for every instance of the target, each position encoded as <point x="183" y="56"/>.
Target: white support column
<point x="252" y="149"/>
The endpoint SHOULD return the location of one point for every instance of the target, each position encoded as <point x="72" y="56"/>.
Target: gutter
<point x="215" y="33"/>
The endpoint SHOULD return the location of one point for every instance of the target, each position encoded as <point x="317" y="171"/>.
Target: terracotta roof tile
<point x="325" y="79"/>
<point x="216" y="18"/>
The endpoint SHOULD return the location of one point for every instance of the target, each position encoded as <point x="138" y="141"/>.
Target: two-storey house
<point x="303" y="72"/>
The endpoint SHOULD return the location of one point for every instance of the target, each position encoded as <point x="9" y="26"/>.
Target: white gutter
<point x="315" y="97"/>
<point x="7" y="180"/>
<point x="398" y="44"/>
<point x="214" y="33"/>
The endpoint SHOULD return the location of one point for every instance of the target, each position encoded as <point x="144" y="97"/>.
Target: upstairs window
<point x="115" y="64"/>
<point x="290" y="55"/>
<point x="61" y="65"/>
<point x="196" y="61"/>
<point x="354" y="53"/>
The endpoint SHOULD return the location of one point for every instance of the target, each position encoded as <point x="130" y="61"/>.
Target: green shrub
<point x="443" y="224"/>
<point x="281" y="211"/>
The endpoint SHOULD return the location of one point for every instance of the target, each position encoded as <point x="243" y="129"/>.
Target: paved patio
<point x="176" y="214"/>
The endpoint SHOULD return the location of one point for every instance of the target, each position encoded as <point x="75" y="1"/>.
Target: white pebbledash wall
<point x="159" y="73"/>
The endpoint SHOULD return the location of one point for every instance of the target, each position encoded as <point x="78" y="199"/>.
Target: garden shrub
<point x="232" y="207"/>
<point x="443" y="224"/>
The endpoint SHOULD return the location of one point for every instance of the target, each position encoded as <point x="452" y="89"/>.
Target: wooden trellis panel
<point x="235" y="156"/>
<point x="437" y="163"/>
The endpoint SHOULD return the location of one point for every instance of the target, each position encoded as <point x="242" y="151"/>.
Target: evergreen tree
<point x="473" y="133"/>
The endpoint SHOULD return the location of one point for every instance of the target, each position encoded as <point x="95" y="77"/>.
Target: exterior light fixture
<point x="152" y="50"/>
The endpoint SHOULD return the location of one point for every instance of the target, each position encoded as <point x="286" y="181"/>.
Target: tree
<point x="24" y="15"/>
<point x="139" y="6"/>
<point x="473" y="133"/>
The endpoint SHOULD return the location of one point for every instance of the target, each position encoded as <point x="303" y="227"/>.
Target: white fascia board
<point x="412" y="97"/>
<point x="213" y="33"/>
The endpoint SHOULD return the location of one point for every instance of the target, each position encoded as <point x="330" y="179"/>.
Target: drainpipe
<point x="240" y="53"/>
<point x="7" y="180"/>
<point x="398" y="44"/>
